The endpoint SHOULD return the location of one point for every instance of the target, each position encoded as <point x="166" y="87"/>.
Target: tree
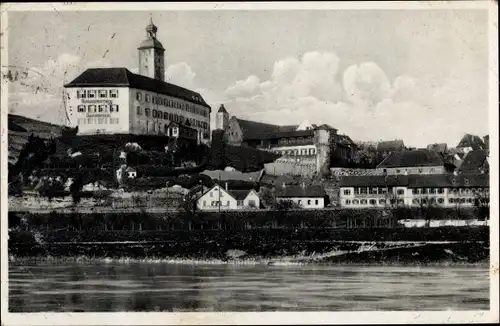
<point x="284" y="205"/>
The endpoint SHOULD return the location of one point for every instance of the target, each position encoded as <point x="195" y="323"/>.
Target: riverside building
<point x="439" y="190"/>
<point x="117" y="101"/>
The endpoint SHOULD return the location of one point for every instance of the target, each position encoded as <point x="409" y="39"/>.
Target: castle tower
<point x="323" y="141"/>
<point x="152" y="55"/>
<point x="222" y="118"/>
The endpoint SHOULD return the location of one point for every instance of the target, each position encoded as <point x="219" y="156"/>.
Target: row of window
<point x="219" y="203"/>
<point x="172" y="103"/>
<point x="431" y="170"/>
<point x="156" y="114"/>
<point x="415" y="191"/>
<point x="415" y="201"/>
<point x="164" y="128"/>
<point x="101" y="93"/>
<point x="309" y="202"/>
<point x="372" y="201"/>
<point x="102" y="108"/>
<point x="98" y="120"/>
<point x="297" y="152"/>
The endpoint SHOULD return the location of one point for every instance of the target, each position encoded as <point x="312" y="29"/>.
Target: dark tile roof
<point x="473" y="141"/>
<point x="254" y="130"/>
<point x="287" y="128"/>
<point x="390" y="146"/>
<point x="151" y="43"/>
<point x="412" y="159"/>
<point x="239" y="194"/>
<point x="222" y="109"/>
<point x="417" y="180"/>
<point x="345" y="140"/>
<point x="440" y="148"/>
<point x="474" y="161"/>
<point x="234" y="175"/>
<point x="448" y="180"/>
<point x="326" y="127"/>
<point x="257" y="130"/>
<point x="122" y="77"/>
<point x="299" y="191"/>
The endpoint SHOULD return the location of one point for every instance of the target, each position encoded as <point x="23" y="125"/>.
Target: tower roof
<point x="151" y="41"/>
<point x="222" y="109"/>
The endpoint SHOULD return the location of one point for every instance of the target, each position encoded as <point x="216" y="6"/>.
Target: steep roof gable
<point x="474" y="161"/>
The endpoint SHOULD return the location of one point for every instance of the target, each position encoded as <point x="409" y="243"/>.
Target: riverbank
<point x="271" y="246"/>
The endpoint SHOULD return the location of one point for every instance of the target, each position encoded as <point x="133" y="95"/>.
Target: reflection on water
<point x="93" y="287"/>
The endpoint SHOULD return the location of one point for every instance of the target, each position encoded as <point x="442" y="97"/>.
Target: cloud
<point x="244" y="88"/>
<point x="360" y="101"/>
<point x="180" y="74"/>
<point x="366" y="84"/>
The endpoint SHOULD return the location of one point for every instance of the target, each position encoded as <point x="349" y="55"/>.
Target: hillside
<point x="20" y="128"/>
<point x="96" y="157"/>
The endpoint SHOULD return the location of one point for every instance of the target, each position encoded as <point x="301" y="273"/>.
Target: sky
<point x="420" y="76"/>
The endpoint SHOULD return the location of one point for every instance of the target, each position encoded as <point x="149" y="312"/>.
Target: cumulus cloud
<point x="360" y="100"/>
<point x="180" y="74"/>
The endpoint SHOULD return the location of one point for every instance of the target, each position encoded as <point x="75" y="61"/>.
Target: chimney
<point x="226" y="186"/>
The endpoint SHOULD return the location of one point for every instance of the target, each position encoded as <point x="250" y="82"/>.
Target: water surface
<point x="116" y="287"/>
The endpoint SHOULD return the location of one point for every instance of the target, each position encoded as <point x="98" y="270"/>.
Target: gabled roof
<point x="239" y="194"/>
<point x="290" y="191"/>
<point x="438" y="147"/>
<point x="390" y="146"/>
<point x="474" y="161"/>
<point x="412" y="159"/>
<point x="122" y="77"/>
<point x="255" y="130"/>
<point x="222" y="109"/>
<point x="130" y="169"/>
<point x="234" y="175"/>
<point x="473" y="141"/>
<point x="236" y="194"/>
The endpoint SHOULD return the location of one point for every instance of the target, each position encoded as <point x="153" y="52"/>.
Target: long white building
<point x="441" y="190"/>
<point x="117" y="101"/>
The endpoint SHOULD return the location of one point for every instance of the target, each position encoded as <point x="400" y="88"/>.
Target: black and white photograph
<point x="302" y="162"/>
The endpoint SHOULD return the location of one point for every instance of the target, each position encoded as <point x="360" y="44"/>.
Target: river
<point x="116" y="286"/>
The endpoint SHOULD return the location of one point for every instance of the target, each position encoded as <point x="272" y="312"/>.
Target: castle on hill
<point x="306" y="142"/>
<point x="117" y="101"/>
